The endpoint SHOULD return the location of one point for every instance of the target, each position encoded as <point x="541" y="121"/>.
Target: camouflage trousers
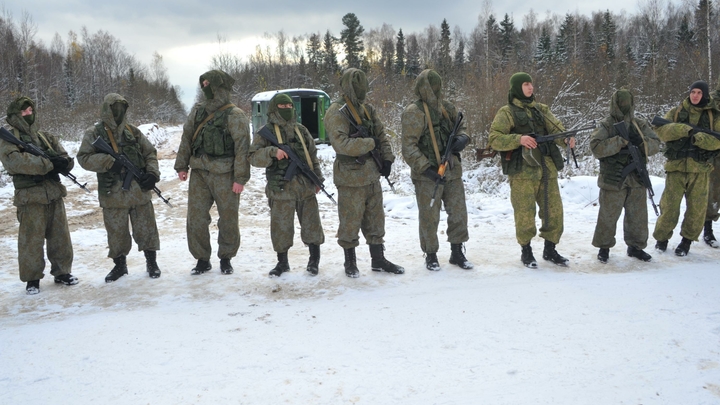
<point x="144" y="229"/>
<point x="205" y="189"/>
<point x="694" y="187"/>
<point x="713" y="206"/>
<point x="282" y="223"/>
<point x="40" y="222"/>
<point x="635" y="221"/>
<point x="452" y="196"/>
<point x="525" y="195"/>
<point x="361" y="208"/>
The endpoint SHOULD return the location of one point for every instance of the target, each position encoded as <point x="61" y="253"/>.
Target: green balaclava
<point x="360" y="85"/>
<point x="207" y="91"/>
<point x="624" y="101"/>
<point x="516" y="82"/>
<point x="30" y="119"/>
<point x="285" y="113"/>
<point x="118" y="110"/>
<point x="435" y="83"/>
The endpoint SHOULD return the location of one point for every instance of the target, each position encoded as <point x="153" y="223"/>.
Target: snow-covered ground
<point x="623" y="333"/>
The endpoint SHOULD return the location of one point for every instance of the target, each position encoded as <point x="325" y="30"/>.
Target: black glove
<point x="387" y="167"/>
<point x="147" y="181"/>
<point x="116" y="167"/>
<point x="635" y="139"/>
<point x="432" y="174"/>
<point x="377" y="143"/>
<point x="459" y="143"/>
<point x="60" y="164"/>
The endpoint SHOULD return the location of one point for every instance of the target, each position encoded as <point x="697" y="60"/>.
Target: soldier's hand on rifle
<point x="432" y="174"/>
<point x="238" y="188"/>
<point x="570" y="142"/>
<point x="60" y="163"/>
<point x="377" y="143"/>
<point x="386" y="169"/>
<point x="182" y="176"/>
<point x="528" y="142"/>
<point x="317" y="189"/>
<point x="148" y="181"/>
<point x="116" y="167"/>
<point x="280" y="155"/>
<point x="460" y="143"/>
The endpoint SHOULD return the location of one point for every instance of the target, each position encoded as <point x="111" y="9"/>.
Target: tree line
<point x="68" y="79"/>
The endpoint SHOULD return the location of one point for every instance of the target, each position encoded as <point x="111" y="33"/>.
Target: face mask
<point x="118" y="111"/>
<point x="286" y="113"/>
<point x="30" y="119"/>
<point x="624" y="101"/>
<point x="207" y="90"/>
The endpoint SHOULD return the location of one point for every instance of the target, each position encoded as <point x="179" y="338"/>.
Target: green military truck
<point x="310" y="106"/>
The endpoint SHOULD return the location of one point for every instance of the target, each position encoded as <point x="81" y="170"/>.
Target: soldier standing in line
<point x="38" y="198"/>
<point x="426" y="127"/>
<point x="214" y="145"/>
<point x="117" y="204"/>
<point x="618" y="192"/>
<point x="713" y="208"/>
<point x="355" y="132"/>
<point x="531" y="168"/>
<point x="296" y="195"/>
<point x="689" y="161"/>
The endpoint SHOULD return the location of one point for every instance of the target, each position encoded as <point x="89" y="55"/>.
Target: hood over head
<point x="217" y="93"/>
<point x="428" y="87"/>
<point x="15" y="118"/>
<point x="275" y="114"/>
<point x="113" y="104"/>
<point x="622" y="105"/>
<point x="354" y="85"/>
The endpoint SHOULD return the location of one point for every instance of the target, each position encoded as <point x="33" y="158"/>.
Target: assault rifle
<point x="445" y="162"/>
<point x="659" y="121"/>
<point x="34" y="150"/>
<point x="132" y="171"/>
<point x="296" y="162"/>
<point x="637" y="164"/>
<point x="362" y="132"/>
<point x="565" y="134"/>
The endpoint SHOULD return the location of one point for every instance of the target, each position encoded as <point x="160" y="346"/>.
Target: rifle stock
<point x="34" y="150"/>
<point x="132" y="171"/>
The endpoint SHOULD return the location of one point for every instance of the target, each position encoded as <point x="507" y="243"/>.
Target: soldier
<point x="38" y="198"/>
<point x="713" y="207"/>
<point x="117" y="204"/>
<point x="355" y="132"/>
<point x="423" y="146"/>
<point x="689" y="161"/>
<point x="287" y="197"/>
<point x="532" y="168"/>
<point x="214" y="145"/>
<point x="618" y="192"/>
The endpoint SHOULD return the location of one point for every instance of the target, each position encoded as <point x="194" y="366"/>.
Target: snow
<point x="626" y="332"/>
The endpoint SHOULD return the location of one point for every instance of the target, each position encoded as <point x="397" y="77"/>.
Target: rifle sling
<point x="40" y="135"/>
<point x="208" y="118"/>
<point x="302" y="141"/>
<point x="432" y="134"/>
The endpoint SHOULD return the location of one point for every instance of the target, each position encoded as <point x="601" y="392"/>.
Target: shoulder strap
<point x="432" y="132"/>
<point x="112" y="138"/>
<point x="208" y="118"/>
<point x="302" y="141"/>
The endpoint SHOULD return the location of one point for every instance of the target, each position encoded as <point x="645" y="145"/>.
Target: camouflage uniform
<point x="288" y="197"/>
<point x="217" y="156"/>
<point x="357" y="177"/>
<point x="419" y="153"/>
<point x="617" y="192"/>
<point x="117" y="204"/>
<point x="688" y="166"/>
<point x="38" y="198"/>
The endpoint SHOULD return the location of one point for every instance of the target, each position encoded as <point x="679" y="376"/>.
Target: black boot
<point x="67" y="279"/>
<point x="458" y="258"/>
<point x="380" y="263"/>
<point x="351" y="269"/>
<point x="604" y="255"/>
<point x="33" y="287"/>
<point x="226" y="267"/>
<point x="638" y="253"/>
<point x="709" y="236"/>
<point x="549" y="253"/>
<point x="683" y="248"/>
<point x="281" y="267"/>
<point x="202" y="266"/>
<point x="431" y="262"/>
<point x="527" y="257"/>
<point x="314" y="261"/>
<point x="118" y="271"/>
<point x="151" y="263"/>
<point x="661" y="245"/>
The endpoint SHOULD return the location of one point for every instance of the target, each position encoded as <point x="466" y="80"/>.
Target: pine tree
<point x="351" y="37"/>
<point x="330" y="64"/>
<point x="314" y="51"/>
<point x="543" y="52"/>
<point x="507" y="39"/>
<point x="459" y="60"/>
<point x="607" y="35"/>
<point x="400" y="53"/>
<point x="412" y="65"/>
<point x="444" y="61"/>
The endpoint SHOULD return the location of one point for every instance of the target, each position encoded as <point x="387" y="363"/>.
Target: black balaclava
<point x="705" y="90"/>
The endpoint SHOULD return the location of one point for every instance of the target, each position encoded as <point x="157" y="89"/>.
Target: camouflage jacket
<point x="129" y="140"/>
<point x="346" y="171"/>
<point x="678" y="131"/>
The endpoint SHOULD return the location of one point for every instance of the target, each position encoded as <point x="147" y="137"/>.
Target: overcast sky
<point x="185" y="32"/>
